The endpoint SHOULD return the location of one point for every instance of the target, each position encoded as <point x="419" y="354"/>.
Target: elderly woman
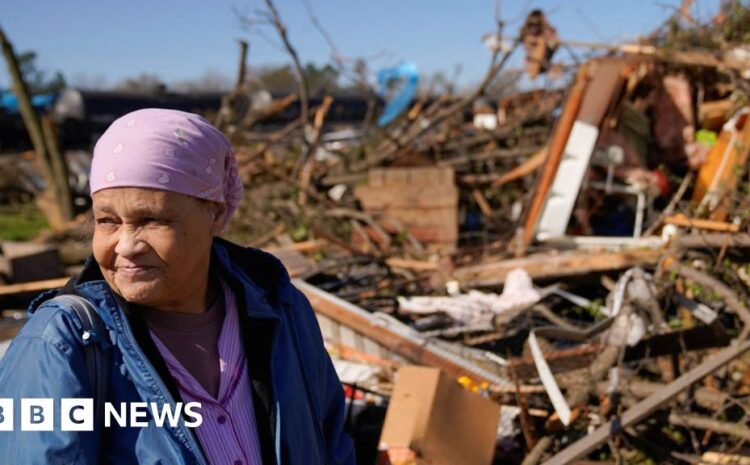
<point x="189" y="318"/>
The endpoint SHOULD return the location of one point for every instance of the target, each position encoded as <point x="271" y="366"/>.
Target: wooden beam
<point x="711" y="240"/>
<point x="710" y="225"/>
<point x="411" y="264"/>
<point x="547" y="266"/>
<point x="555" y="152"/>
<point x="396" y="337"/>
<point x="524" y="169"/>
<point x="34" y="286"/>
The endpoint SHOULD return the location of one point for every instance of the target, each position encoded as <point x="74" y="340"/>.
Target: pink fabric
<point x="228" y="434"/>
<point x="169" y="150"/>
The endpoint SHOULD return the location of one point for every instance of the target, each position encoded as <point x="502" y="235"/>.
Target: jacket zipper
<point x="275" y="413"/>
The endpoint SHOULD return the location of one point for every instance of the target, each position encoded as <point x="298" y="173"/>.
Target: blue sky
<point x="177" y="40"/>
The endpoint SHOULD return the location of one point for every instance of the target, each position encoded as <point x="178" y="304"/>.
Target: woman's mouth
<point x="133" y="271"/>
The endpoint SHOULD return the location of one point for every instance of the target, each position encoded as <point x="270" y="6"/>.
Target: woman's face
<point x="154" y="246"/>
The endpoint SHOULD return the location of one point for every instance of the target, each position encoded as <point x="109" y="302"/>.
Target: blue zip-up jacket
<point x="297" y="394"/>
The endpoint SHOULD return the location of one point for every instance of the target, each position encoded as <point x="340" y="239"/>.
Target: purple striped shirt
<point x="228" y="433"/>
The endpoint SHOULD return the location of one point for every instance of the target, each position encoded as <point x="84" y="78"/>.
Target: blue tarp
<point x="409" y="75"/>
<point x="9" y="102"/>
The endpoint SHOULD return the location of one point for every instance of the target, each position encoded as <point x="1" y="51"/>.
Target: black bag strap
<point x="93" y="331"/>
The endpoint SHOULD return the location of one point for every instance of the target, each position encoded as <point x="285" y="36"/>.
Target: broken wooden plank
<point x="522" y="170"/>
<point x="35" y="286"/>
<point x="411" y="264"/>
<point x="547" y="266"/>
<point x="717" y="458"/>
<point x="396" y="336"/>
<point x="709" y="424"/>
<point x="301" y="247"/>
<point x="647" y="406"/>
<point x="711" y="240"/>
<point x="555" y="153"/>
<point x="720" y="173"/>
<point x="710" y="225"/>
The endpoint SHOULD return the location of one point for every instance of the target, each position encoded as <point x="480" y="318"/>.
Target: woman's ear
<point x="219" y="211"/>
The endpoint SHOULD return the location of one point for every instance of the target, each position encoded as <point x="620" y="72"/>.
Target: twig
<point x="226" y="111"/>
<point x="535" y="455"/>
<point x="385" y="239"/>
<point x="306" y="161"/>
<point x="267" y="237"/>
<point x="694" y="421"/>
<point x="672" y="204"/>
<point x="711" y="240"/>
<point x="245" y="159"/>
<point x="727" y="295"/>
<point x="275" y="20"/>
<point x="274" y="108"/>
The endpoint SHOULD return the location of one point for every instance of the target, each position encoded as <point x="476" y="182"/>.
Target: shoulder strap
<point x="93" y="330"/>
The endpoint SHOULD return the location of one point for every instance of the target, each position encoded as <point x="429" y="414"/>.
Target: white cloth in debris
<point x="356" y="373"/>
<point x="638" y="286"/>
<point x="475" y="307"/>
<point x="507" y="428"/>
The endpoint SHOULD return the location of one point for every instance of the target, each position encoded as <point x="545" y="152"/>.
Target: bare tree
<point x="271" y="17"/>
<point x="42" y="134"/>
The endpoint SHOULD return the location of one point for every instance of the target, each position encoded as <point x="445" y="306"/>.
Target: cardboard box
<point x="443" y="423"/>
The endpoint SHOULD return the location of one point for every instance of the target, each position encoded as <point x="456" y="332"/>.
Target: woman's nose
<point x="129" y="244"/>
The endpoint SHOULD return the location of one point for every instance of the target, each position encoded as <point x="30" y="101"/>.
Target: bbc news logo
<point x="44" y="414"/>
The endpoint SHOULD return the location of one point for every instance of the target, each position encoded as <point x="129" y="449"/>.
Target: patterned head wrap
<point x="169" y="150"/>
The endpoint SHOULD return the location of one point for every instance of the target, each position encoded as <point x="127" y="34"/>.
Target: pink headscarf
<point x="169" y="150"/>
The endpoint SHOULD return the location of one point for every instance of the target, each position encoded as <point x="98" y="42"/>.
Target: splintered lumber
<point x="36" y="286"/>
<point x="411" y="264"/>
<point x="524" y="169"/>
<point x="547" y="266"/>
<point x="555" y="153"/>
<point x="711" y="225"/>
<point x="709" y="424"/>
<point x="713" y="114"/>
<point x="721" y="172"/>
<point x="301" y="247"/>
<point x="295" y="263"/>
<point x="559" y="361"/>
<point x="396" y="336"/>
<point x="711" y="240"/>
<point x="716" y="458"/>
<point x="647" y="406"/>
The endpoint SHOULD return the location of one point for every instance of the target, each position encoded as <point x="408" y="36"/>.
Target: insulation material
<point x="475" y="307"/>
